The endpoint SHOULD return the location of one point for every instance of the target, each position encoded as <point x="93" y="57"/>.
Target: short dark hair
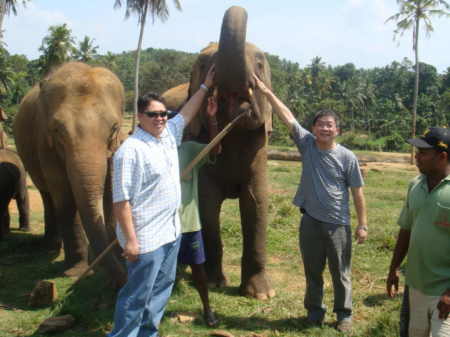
<point x="145" y="100"/>
<point x="326" y="113"/>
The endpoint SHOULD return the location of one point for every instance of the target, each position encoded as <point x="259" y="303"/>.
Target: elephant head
<point x="236" y="61"/>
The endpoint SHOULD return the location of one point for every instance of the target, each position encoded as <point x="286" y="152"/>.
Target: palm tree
<point x="410" y="15"/>
<point x="86" y="50"/>
<point x="6" y="73"/>
<point x="142" y="8"/>
<point x="7" y="7"/>
<point x="57" y="47"/>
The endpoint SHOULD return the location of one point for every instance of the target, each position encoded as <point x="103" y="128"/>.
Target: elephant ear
<point x="116" y="138"/>
<point x="199" y="70"/>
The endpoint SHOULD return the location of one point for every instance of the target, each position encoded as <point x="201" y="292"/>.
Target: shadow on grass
<point x="24" y="261"/>
<point x="376" y="300"/>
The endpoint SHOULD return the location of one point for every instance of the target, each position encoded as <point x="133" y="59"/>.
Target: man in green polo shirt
<point x="425" y="237"/>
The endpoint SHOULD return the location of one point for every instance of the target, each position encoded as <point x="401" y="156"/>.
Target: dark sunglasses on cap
<point x="153" y="114"/>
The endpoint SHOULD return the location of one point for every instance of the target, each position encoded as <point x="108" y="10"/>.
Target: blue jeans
<point x="321" y="242"/>
<point x="142" y="300"/>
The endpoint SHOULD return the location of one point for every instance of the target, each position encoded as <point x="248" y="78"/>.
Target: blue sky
<point x="339" y="31"/>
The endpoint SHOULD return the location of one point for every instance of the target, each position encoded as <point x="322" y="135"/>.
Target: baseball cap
<point x="434" y="138"/>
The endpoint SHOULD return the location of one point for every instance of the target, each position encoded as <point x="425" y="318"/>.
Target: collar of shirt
<point x="147" y="137"/>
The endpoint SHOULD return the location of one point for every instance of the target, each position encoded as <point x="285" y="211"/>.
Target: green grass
<point x="23" y="262"/>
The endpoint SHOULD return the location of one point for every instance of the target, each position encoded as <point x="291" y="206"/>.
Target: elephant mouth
<point x="237" y="103"/>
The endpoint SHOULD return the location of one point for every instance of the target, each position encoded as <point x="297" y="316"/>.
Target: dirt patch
<point x="388" y="166"/>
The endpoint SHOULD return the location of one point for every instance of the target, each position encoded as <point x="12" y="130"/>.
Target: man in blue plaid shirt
<point x="146" y="198"/>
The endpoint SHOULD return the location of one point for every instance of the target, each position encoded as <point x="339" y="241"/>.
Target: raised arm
<point x="193" y="105"/>
<point x="278" y="106"/>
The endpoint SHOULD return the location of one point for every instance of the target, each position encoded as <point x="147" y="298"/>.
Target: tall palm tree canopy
<point x="86" y="50"/>
<point x="157" y="8"/>
<point x="412" y="11"/>
<point x="410" y="15"/>
<point x="6" y="8"/>
<point x="9" y="6"/>
<point x="57" y="47"/>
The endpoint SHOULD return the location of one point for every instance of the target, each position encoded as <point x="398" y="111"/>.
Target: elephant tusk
<point x="250" y="92"/>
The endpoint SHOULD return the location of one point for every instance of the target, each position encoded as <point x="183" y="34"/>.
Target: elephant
<point x="3" y="136"/>
<point x="240" y="171"/>
<point x="13" y="186"/>
<point x="175" y="97"/>
<point x="66" y="130"/>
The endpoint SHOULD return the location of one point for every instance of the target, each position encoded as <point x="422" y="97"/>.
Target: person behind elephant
<point x="146" y="198"/>
<point x="424" y="237"/>
<point x="192" y="251"/>
<point x="329" y="170"/>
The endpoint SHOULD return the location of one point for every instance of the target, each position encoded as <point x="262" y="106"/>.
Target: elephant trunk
<point x="88" y="176"/>
<point x="233" y="73"/>
<point x="231" y="65"/>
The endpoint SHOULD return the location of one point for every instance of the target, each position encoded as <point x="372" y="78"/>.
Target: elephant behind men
<point x="240" y="171"/>
<point x="66" y="130"/>
<point x="13" y="186"/>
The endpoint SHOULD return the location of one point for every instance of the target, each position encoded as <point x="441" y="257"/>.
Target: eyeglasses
<point x="154" y="114"/>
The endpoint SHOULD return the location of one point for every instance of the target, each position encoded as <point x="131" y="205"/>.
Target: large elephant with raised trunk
<point x="240" y="171"/>
<point x="66" y="131"/>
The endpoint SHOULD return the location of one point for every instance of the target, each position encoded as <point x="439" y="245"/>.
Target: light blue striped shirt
<point x="146" y="173"/>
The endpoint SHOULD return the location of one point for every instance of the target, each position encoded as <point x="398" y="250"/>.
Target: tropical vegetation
<point x="374" y="104"/>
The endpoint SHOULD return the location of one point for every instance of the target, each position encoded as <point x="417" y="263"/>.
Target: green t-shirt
<point x="427" y="215"/>
<point x="189" y="215"/>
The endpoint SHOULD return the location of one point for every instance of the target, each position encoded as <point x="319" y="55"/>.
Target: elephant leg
<point x="4" y="218"/>
<point x="253" y="208"/>
<point x="75" y="247"/>
<point x="23" y="206"/>
<point x="52" y="236"/>
<point x="210" y="202"/>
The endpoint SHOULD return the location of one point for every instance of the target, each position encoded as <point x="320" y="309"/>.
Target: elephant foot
<point x="258" y="287"/>
<point x="78" y="269"/>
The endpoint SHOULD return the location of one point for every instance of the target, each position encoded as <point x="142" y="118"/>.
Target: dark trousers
<point x="321" y="242"/>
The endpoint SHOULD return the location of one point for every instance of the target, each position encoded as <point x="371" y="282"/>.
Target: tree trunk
<point x="2" y="16"/>
<point x="416" y="85"/>
<point x="138" y="61"/>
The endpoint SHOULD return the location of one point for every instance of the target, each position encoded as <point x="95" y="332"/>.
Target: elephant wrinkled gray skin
<point x="240" y="171"/>
<point x="13" y="186"/>
<point x="66" y="130"/>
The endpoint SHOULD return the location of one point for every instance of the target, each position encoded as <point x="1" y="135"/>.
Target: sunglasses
<point x="154" y="114"/>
